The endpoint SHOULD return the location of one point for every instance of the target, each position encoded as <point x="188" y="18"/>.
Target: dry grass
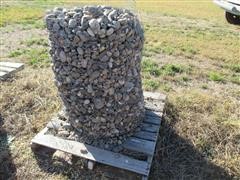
<point x="190" y="54"/>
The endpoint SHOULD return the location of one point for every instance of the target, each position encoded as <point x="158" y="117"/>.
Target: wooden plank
<point x="150" y="127"/>
<point x="139" y="145"/>
<point x="149" y="160"/>
<point x="155" y="105"/>
<point x="146" y="135"/>
<point x="153" y="113"/>
<point x="154" y="95"/>
<point x="92" y="153"/>
<point x="3" y="74"/>
<point x="7" y="69"/>
<point x="12" y="65"/>
<point x="153" y="120"/>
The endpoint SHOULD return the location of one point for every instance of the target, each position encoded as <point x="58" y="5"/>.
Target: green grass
<point x="152" y="68"/>
<point x="173" y="69"/>
<point x="148" y="66"/>
<point x="235" y="79"/>
<point x="215" y="76"/>
<point x="19" y="14"/>
<point x="150" y="84"/>
<point x="203" y="10"/>
<point x="202" y="42"/>
<point x="17" y="53"/>
<point x="36" y="57"/>
<point x="234" y="67"/>
<point x="35" y="41"/>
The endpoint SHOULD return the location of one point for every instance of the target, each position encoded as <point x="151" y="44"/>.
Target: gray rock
<point x="56" y="27"/>
<point x="94" y="25"/>
<point x="90" y="32"/>
<point x="80" y="51"/>
<point x="110" y="31"/>
<point x="86" y="101"/>
<point x="89" y="88"/>
<point x="63" y="133"/>
<point x="62" y="56"/>
<point x="98" y="103"/>
<point x="84" y="63"/>
<point x="72" y="23"/>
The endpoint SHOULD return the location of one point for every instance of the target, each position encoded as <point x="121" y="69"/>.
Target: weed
<point x="185" y="78"/>
<point x="172" y="69"/>
<point x="148" y="66"/>
<point x="204" y="86"/>
<point x="215" y="76"/>
<point x="166" y="87"/>
<point x="35" y="41"/>
<point x="17" y="53"/>
<point x="38" y="57"/>
<point x="235" y="68"/>
<point x="235" y="79"/>
<point x="150" y="85"/>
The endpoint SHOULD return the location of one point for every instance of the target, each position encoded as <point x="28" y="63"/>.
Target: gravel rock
<point x="110" y="31"/>
<point x="96" y="55"/>
<point x="72" y="23"/>
<point x="94" y="25"/>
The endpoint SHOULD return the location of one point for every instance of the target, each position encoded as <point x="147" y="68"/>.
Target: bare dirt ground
<point x="11" y="39"/>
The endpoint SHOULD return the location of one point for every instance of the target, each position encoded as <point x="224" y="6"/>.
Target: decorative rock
<point x="94" y="25"/>
<point x="62" y="56"/>
<point x="96" y="52"/>
<point x="110" y="31"/>
<point x="80" y="51"/>
<point x="90" y="32"/>
<point x="56" y="27"/>
<point x="62" y="156"/>
<point x="86" y="101"/>
<point x="98" y="103"/>
<point x="72" y="23"/>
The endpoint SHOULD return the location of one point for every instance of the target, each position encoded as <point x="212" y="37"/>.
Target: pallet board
<point x="143" y="141"/>
<point x="8" y="68"/>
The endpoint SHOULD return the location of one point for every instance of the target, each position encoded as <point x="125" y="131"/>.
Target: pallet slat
<point x="157" y="106"/>
<point x="153" y="113"/>
<point x="150" y="127"/>
<point x="152" y="95"/>
<point x="92" y="153"/>
<point x="6" y="69"/>
<point x="140" y="145"/>
<point x="146" y="135"/>
<point x="3" y="74"/>
<point x="11" y="64"/>
<point x="153" y="120"/>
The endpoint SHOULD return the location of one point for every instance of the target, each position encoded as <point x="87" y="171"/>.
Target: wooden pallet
<point x="8" y="68"/>
<point x="143" y="142"/>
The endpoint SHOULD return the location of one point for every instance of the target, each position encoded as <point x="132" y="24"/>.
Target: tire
<point x="232" y="18"/>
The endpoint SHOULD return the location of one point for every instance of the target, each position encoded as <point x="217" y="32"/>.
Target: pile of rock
<point x="96" y="54"/>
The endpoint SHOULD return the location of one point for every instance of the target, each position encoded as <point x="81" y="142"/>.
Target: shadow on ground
<point x="78" y="169"/>
<point x="7" y="167"/>
<point x="175" y="158"/>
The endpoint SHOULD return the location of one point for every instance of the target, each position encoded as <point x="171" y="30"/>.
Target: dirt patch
<point x="11" y="41"/>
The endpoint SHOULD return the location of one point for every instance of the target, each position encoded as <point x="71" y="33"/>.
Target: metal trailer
<point x="232" y="10"/>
